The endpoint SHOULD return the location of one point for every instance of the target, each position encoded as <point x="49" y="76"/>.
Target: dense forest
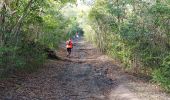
<point x="136" y="32"/>
<point x="28" y="28"/>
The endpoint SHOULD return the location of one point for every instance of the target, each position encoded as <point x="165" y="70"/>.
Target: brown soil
<point x="86" y="75"/>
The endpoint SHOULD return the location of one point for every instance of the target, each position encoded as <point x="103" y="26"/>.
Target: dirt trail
<point x="87" y="75"/>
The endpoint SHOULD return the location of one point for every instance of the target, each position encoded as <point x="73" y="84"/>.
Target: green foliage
<point x="161" y="75"/>
<point x="160" y="9"/>
<point x="28" y="27"/>
<point x="73" y="28"/>
<point x="137" y="32"/>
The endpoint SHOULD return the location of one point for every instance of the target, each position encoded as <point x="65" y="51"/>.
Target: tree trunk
<point x="2" y="22"/>
<point x="20" y="20"/>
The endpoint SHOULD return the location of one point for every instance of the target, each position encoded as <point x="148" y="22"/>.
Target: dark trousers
<point x="69" y="51"/>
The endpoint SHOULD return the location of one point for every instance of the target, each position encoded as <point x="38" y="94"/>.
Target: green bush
<point x="162" y="75"/>
<point x="24" y="57"/>
<point x="137" y="35"/>
<point x="27" y="28"/>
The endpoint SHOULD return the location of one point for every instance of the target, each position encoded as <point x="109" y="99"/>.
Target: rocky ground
<point x="86" y="75"/>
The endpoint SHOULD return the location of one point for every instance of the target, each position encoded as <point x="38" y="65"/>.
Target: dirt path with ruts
<point x="87" y="75"/>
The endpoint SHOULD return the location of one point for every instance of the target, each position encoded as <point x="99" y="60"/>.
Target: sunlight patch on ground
<point x="147" y="91"/>
<point x="101" y="97"/>
<point x="122" y="93"/>
<point x="103" y="58"/>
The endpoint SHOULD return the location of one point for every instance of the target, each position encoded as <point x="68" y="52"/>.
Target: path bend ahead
<point x="87" y="75"/>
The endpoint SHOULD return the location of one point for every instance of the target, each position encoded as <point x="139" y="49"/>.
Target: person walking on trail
<point x="69" y="46"/>
<point x="77" y="36"/>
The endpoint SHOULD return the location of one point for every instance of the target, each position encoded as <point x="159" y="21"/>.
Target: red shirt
<point x="69" y="44"/>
